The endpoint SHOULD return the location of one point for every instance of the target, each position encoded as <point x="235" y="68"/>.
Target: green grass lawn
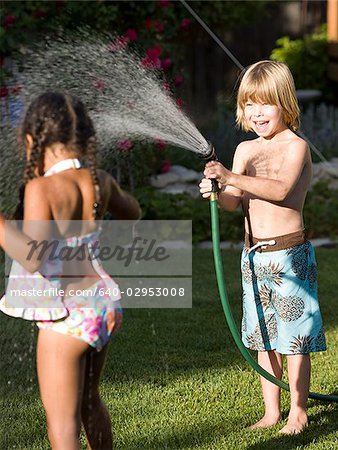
<point x="174" y="378"/>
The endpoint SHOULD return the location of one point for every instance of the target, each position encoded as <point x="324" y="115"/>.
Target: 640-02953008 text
<point x="107" y="291"/>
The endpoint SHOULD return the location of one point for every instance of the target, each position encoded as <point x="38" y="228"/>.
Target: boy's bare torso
<point x="264" y="219"/>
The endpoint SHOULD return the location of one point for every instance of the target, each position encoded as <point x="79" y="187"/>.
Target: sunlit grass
<point x="174" y="378"/>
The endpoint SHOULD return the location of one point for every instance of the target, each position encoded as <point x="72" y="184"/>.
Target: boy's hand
<point x="205" y="187"/>
<point x="215" y="169"/>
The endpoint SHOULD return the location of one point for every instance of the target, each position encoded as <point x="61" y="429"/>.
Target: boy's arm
<point x="231" y="196"/>
<point x="265" y="188"/>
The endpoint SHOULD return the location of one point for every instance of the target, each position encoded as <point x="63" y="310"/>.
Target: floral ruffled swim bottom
<point x="280" y="303"/>
<point x="94" y="324"/>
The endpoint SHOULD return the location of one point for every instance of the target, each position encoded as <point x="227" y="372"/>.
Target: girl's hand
<point x="215" y="169"/>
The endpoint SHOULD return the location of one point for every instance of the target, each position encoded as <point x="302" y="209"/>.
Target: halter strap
<point x="65" y="164"/>
<point x="74" y="163"/>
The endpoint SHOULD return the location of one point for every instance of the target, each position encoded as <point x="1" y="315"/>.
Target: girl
<point x="270" y="178"/>
<point x="73" y="331"/>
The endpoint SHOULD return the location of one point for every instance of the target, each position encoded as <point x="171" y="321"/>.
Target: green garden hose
<point x="227" y="311"/>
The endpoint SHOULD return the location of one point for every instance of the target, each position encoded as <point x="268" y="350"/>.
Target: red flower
<point x="152" y="60"/>
<point x="9" y="20"/>
<point x="179" y="80"/>
<point x="99" y="84"/>
<point x="2" y="60"/>
<point x="119" y="44"/>
<point x="15" y="89"/>
<point x="125" y="145"/>
<point x="60" y="3"/>
<point x="154" y="52"/>
<point x="164" y="3"/>
<point x="166" y="64"/>
<point x="185" y="24"/>
<point x="148" y="23"/>
<point x="160" y="144"/>
<point x="151" y="63"/>
<point x="166" y="86"/>
<point x="3" y="91"/>
<point x="40" y="14"/>
<point x="179" y="103"/>
<point x="131" y="34"/>
<point x="165" y="168"/>
<point x="159" y="26"/>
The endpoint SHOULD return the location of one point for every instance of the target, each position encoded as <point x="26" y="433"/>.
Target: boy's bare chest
<point x="266" y="163"/>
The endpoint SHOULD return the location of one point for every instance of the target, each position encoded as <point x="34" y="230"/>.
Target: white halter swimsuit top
<point x="50" y="304"/>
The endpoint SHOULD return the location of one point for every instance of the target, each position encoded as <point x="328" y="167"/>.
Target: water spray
<point x="87" y="67"/>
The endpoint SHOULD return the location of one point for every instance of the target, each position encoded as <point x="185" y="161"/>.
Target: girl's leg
<point x="60" y="367"/>
<point x="299" y="368"/>
<point x="272" y="362"/>
<point x="94" y="414"/>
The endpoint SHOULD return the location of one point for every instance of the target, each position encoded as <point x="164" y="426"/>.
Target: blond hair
<point x="268" y="82"/>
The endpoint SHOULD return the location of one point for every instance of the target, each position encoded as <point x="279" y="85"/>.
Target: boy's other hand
<point x="215" y="169"/>
<point x="205" y="187"/>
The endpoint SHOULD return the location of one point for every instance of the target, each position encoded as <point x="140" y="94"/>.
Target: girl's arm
<point x="122" y="204"/>
<point x="19" y="244"/>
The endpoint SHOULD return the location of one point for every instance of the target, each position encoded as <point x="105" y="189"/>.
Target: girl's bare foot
<point x="265" y="422"/>
<point x="295" y="424"/>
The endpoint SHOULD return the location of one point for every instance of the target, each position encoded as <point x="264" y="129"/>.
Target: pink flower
<point x="40" y="14"/>
<point x="92" y="325"/>
<point x="166" y="86"/>
<point x="9" y="21"/>
<point x="3" y="91"/>
<point x="185" y="24"/>
<point x="166" y="64"/>
<point x="152" y="60"/>
<point x="159" y="26"/>
<point x="99" y="84"/>
<point x="119" y="44"/>
<point x="131" y="34"/>
<point x="164" y="3"/>
<point x="148" y="23"/>
<point x="179" y="103"/>
<point x="165" y="168"/>
<point x="125" y="145"/>
<point x="160" y="144"/>
<point x="178" y="80"/>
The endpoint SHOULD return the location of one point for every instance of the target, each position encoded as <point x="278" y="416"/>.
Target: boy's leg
<point x="272" y="362"/>
<point x="299" y="368"/>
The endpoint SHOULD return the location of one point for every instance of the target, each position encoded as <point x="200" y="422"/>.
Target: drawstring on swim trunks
<point x="262" y="244"/>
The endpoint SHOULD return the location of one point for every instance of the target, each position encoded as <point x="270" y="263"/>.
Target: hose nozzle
<point x="210" y="154"/>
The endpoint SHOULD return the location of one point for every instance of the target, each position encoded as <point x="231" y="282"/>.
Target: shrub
<point x="307" y="59"/>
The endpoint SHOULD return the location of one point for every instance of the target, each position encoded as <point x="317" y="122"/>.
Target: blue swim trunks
<point x="280" y="302"/>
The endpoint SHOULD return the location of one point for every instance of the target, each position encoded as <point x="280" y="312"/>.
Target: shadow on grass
<point x="321" y="424"/>
<point x="201" y="435"/>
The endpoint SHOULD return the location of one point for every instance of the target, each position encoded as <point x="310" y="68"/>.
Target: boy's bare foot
<point x="295" y="424"/>
<point x="265" y="422"/>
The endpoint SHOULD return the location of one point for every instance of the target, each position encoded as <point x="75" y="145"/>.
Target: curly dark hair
<point x="57" y="117"/>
